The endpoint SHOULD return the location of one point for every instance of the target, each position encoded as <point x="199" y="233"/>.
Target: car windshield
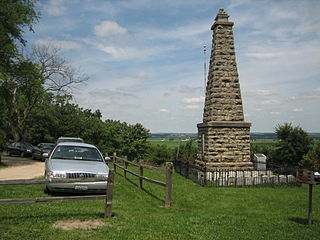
<point x="27" y="145"/>
<point x="48" y="146"/>
<point x="77" y="153"/>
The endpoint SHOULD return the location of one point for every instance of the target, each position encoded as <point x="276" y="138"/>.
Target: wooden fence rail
<point x="107" y="197"/>
<point x="168" y="174"/>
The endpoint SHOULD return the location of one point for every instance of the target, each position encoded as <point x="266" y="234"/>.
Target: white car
<point x="76" y="160"/>
<point x="70" y="139"/>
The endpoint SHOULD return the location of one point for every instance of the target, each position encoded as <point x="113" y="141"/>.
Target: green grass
<point x="2" y="165"/>
<point x="268" y="142"/>
<point x="197" y="213"/>
<point x="172" y="144"/>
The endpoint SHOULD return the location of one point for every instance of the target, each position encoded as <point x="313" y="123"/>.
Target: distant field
<point x="264" y="141"/>
<point x="169" y="142"/>
<point x="176" y="142"/>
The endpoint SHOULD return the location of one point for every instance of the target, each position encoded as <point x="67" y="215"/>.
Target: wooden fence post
<point x="141" y="174"/>
<point x="109" y="193"/>
<point x="114" y="159"/>
<point x="168" y="184"/>
<point x="125" y="167"/>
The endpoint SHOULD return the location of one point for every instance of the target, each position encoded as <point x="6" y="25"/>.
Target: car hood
<point x="77" y="166"/>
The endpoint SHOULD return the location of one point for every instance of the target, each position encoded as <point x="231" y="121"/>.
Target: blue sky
<point x="145" y="58"/>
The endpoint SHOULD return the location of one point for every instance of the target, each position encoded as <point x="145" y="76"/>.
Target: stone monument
<point x="224" y="136"/>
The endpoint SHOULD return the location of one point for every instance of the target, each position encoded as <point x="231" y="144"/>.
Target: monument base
<point x="224" y="145"/>
<point x="233" y="166"/>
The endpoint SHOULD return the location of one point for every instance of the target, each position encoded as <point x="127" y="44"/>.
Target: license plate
<point x="82" y="187"/>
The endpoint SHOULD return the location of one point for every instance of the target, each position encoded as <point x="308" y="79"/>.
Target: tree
<point x="293" y="145"/>
<point x="187" y="152"/>
<point x="15" y="72"/>
<point x="15" y="16"/>
<point x="60" y="77"/>
<point x="312" y="159"/>
<point x="135" y="141"/>
<point x="20" y="93"/>
<point x="159" y="154"/>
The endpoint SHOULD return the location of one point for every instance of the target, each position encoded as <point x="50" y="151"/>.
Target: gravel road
<point x="20" y="168"/>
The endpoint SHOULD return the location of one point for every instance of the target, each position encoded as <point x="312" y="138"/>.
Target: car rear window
<point x="77" y="153"/>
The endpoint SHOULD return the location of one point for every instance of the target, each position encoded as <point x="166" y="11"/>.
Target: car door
<point x="11" y="149"/>
<point x="38" y="151"/>
<point x="16" y="148"/>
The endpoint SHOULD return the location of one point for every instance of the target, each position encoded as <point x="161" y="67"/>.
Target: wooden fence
<point x="107" y="197"/>
<point x="168" y="174"/>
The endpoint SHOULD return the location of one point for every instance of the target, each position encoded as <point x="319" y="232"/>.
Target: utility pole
<point x="205" y="68"/>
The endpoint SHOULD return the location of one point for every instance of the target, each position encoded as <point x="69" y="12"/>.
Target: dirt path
<point x="21" y="168"/>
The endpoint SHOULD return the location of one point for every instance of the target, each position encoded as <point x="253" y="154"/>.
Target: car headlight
<point x="102" y="175"/>
<point x="51" y="175"/>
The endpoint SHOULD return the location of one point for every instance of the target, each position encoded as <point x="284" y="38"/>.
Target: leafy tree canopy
<point x="293" y="145"/>
<point x="15" y="16"/>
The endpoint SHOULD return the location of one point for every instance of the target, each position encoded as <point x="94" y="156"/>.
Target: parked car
<point x="76" y="160"/>
<point x="40" y="149"/>
<point x="20" y="148"/>
<point x="69" y="139"/>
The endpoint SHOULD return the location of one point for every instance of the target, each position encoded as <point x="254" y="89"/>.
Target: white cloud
<point x="259" y="92"/>
<point x="275" y="113"/>
<point x="193" y="100"/>
<point x="314" y="94"/>
<point x="188" y="32"/>
<point x="109" y="29"/>
<point x="292" y="98"/>
<point x="140" y="75"/>
<point x="192" y="106"/>
<point x="55" y="7"/>
<point x="63" y="45"/>
<point x="265" y="54"/>
<point x="119" y="53"/>
<point x="163" y="110"/>
<point x="271" y="102"/>
<point x="133" y="88"/>
<point x="298" y="110"/>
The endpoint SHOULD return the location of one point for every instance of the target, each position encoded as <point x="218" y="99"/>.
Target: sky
<point x="145" y="58"/>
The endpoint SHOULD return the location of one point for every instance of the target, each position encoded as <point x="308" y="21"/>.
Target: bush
<point x="159" y="154"/>
<point x="293" y="145"/>
<point x="187" y="152"/>
<point x="312" y="159"/>
<point x="265" y="149"/>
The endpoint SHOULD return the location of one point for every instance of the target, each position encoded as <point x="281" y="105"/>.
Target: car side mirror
<point x="107" y="159"/>
<point x="45" y="155"/>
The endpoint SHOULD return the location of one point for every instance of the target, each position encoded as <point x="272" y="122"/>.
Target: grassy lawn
<point x="264" y="142"/>
<point x="197" y="213"/>
<point x="172" y="144"/>
<point x="2" y="165"/>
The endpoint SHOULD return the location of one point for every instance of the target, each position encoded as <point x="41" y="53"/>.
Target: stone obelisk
<point x="224" y="136"/>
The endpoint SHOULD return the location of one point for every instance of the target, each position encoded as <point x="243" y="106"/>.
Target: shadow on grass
<point x="302" y="221"/>
<point x="144" y="190"/>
